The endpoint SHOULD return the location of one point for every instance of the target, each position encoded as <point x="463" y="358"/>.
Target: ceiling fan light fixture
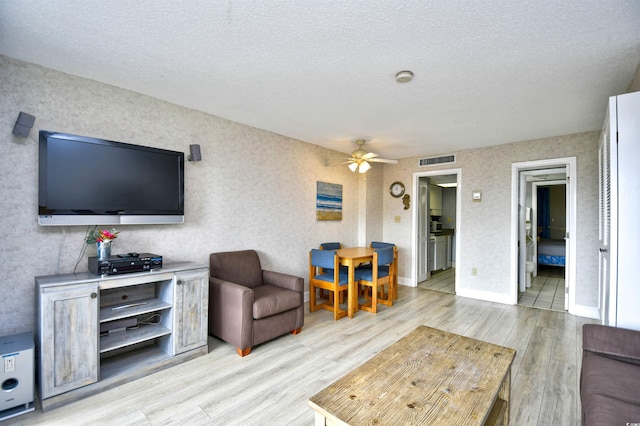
<point x="360" y="158"/>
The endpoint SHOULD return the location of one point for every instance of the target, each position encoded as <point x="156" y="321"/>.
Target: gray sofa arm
<point x="231" y="312"/>
<point x="290" y="282"/>
<point x="613" y="342"/>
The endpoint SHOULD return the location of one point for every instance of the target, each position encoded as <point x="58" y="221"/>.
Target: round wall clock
<point x="396" y="189"/>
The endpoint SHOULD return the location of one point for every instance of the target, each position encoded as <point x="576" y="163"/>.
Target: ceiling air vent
<point x="432" y="161"/>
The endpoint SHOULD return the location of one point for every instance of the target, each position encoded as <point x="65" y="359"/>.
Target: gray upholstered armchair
<point x="247" y="305"/>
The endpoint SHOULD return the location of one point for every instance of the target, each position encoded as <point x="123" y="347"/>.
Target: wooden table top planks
<point x="429" y="377"/>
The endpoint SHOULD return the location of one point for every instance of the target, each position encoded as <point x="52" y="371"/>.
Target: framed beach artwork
<point x="328" y="201"/>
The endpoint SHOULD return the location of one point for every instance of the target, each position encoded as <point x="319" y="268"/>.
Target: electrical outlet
<point x="9" y="364"/>
<point x="474" y="272"/>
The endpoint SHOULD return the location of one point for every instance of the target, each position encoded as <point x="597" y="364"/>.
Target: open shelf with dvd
<point x="134" y="314"/>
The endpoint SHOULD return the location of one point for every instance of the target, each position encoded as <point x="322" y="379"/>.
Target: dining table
<point x="352" y="257"/>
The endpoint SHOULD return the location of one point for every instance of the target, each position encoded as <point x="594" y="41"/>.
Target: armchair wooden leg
<point x="244" y="352"/>
<point x="297" y="331"/>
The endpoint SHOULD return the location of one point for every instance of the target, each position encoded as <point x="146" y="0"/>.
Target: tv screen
<point x="89" y="181"/>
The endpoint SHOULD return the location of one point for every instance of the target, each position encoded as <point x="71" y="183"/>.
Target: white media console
<point x="169" y="305"/>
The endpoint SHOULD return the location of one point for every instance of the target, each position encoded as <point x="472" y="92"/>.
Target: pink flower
<point x="101" y="236"/>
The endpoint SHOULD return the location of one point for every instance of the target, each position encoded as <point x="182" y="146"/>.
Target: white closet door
<point x="607" y="311"/>
<point x="628" y="226"/>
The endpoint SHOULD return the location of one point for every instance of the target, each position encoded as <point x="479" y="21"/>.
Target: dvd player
<point x="125" y="263"/>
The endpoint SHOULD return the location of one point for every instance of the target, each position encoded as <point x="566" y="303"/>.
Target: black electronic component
<point x="125" y="263"/>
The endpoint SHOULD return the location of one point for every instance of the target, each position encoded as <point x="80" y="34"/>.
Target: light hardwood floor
<point x="271" y="386"/>
<point x="441" y="281"/>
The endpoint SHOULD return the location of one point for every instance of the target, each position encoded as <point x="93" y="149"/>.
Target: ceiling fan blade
<point x="383" y="160"/>
<point x="360" y="158"/>
<point x="369" y="156"/>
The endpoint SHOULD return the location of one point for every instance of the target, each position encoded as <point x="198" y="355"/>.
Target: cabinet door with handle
<point x="191" y="310"/>
<point x="68" y="336"/>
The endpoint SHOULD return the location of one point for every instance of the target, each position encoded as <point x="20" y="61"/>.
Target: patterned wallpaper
<point x="484" y="236"/>
<point x="253" y="189"/>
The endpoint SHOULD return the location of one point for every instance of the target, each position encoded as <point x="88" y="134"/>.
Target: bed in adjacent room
<point x="551" y="252"/>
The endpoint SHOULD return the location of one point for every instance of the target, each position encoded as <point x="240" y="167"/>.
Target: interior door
<point x="522" y="237"/>
<point x="423" y="229"/>
<point x="554" y="230"/>
<point x="567" y="252"/>
<point x="604" y="225"/>
<point x="624" y="258"/>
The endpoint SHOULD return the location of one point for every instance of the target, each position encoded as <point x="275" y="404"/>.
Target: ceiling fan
<point x="360" y="158"/>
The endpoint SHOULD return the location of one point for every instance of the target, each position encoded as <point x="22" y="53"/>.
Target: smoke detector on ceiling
<point x="404" y="76"/>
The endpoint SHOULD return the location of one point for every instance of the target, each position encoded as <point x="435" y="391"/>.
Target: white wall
<point x="253" y="189"/>
<point x="371" y="198"/>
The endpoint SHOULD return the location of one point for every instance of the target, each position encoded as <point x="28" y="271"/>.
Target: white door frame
<point x="570" y="269"/>
<point x="414" y="243"/>
<point x="534" y="220"/>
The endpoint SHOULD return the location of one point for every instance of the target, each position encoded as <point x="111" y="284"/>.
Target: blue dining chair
<point x="393" y="288"/>
<point x="380" y="273"/>
<point x="330" y="246"/>
<point x="380" y="244"/>
<point x="324" y="274"/>
<point x="334" y="246"/>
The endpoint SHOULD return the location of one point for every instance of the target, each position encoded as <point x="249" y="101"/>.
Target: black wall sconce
<point x="194" y="151"/>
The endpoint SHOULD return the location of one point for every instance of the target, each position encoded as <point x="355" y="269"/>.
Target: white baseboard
<point x="488" y="296"/>
<point x="405" y="281"/>
<point x="505" y="299"/>
<point x="587" y="312"/>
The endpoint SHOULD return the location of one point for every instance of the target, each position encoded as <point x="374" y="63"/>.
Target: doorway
<point x="545" y="271"/>
<point x="544" y="218"/>
<point x="435" y="225"/>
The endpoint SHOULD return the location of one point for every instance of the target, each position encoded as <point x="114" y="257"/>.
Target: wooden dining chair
<point x="393" y="287"/>
<point x="325" y="274"/>
<point x="334" y="245"/>
<point x="376" y="277"/>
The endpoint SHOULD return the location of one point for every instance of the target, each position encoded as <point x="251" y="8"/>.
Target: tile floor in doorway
<point x="546" y="291"/>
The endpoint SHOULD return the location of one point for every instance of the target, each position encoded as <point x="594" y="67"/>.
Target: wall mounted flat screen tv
<point x="89" y="181"/>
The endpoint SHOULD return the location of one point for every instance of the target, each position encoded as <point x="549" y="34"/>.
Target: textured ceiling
<point x="486" y="72"/>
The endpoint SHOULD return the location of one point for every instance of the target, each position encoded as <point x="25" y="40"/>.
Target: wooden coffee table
<point x="428" y="377"/>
